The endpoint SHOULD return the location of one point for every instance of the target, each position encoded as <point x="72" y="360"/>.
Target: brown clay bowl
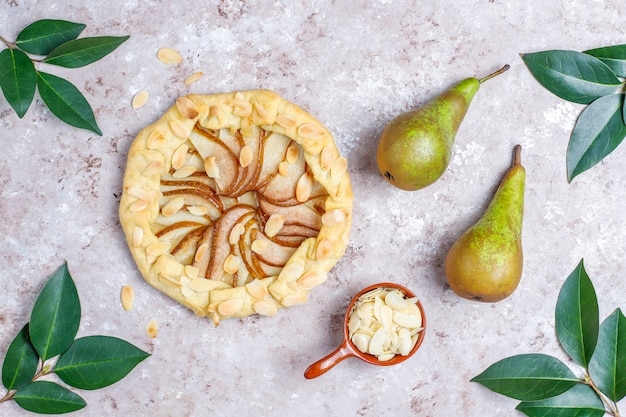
<point x="347" y="349"/>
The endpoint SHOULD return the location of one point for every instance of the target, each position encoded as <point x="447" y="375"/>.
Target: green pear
<point x="485" y="263"/>
<point x="415" y="148"/>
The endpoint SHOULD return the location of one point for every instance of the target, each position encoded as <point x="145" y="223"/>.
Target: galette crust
<point x="159" y="151"/>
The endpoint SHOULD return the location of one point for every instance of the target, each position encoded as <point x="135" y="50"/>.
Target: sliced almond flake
<point x="257" y="289"/>
<point x="198" y="210"/>
<point x="193" y="77"/>
<point x="245" y="156"/>
<point x="137" y="236"/>
<point x="138" y="205"/>
<point x="304" y="186"/>
<point x="155" y="140"/>
<point x="153" y="168"/>
<point x="169" y="56"/>
<point x="312" y="279"/>
<point x="179" y="128"/>
<point x="291" y="272"/>
<point x="187" y="108"/>
<point x="334" y="217"/>
<point x="230" y="307"/>
<point x="327" y="157"/>
<point x="235" y="233"/>
<point x="191" y="271"/>
<point x="231" y="264"/>
<point x="283" y="168"/>
<point x="265" y="308"/>
<point x="260" y="110"/>
<point x="184" y="289"/>
<point x="184" y="172"/>
<point x="201" y="285"/>
<point x="294" y="299"/>
<point x="292" y="154"/>
<point x="140" y="99"/>
<point x="152" y="329"/>
<point x="139" y="193"/>
<point x="180" y="156"/>
<point x="201" y="251"/>
<point x="259" y="246"/>
<point x="324" y="249"/>
<point x="338" y="168"/>
<point x="211" y="168"/>
<point x="274" y="224"/>
<point x="127" y="297"/>
<point x="311" y="131"/>
<point x="169" y="281"/>
<point x="173" y="206"/>
<point x="158" y="248"/>
<point x="286" y="121"/>
<point x="241" y="107"/>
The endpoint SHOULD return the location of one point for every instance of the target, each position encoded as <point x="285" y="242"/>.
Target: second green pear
<point x="415" y="148"/>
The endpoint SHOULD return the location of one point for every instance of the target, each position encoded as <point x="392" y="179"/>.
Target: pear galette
<point x="235" y="204"/>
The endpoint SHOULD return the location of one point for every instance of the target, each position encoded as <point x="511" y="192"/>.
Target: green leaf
<point x="66" y="102"/>
<point x="46" y="397"/>
<point x="18" y="79"/>
<point x="573" y="76"/>
<point x="20" y="362"/>
<point x="578" y="401"/>
<point x="97" y="361"/>
<point x="598" y="131"/>
<point x="607" y="368"/>
<point x="613" y="56"/>
<point x="577" y="317"/>
<point x="43" y="36"/>
<point x="80" y="52"/>
<point x="56" y="315"/>
<point x="528" y="377"/>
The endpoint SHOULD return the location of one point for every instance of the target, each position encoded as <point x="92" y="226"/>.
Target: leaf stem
<point x="7" y="43"/>
<point x="8" y="396"/>
<point x="613" y="410"/>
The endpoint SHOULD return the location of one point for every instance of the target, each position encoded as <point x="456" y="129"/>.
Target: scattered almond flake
<point x="201" y="251"/>
<point x="201" y="284"/>
<point x="180" y="156"/>
<point x="294" y="299"/>
<point x="324" y="249"/>
<point x="139" y="193"/>
<point x="283" y="168"/>
<point x="127" y="297"/>
<point x="338" y="168"/>
<point x="169" y="56"/>
<point x="185" y="289"/>
<point x="138" y="205"/>
<point x="152" y="329"/>
<point x="259" y="246"/>
<point x="235" y="233"/>
<point x="198" y="210"/>
<point x="265" y="307"/>
<point x="187" y="108"/>
<point x="179" y="128"/>
<point x="193" y="77"/>
<point x="260" y="110"/>
<point x="231" y="264"/>
<point x="304" y="187"/>
<point x="158" y="248"/>
<point x="312" y="279"/>
<point x="292" y="154"/>
<point x="173" y="206"/>
<point x="155" y="140"/>
<point x="211" y="168"/>
<point x="274" y="224"/>
<point x="170" y="281"/>
<point x="184" y="172"/>
<point x="286" y="121"/>
<point x="230" y="307"/>
<point x="310" y="131"/>
<point x="333" y="217"/>
<point x="137" y="236"/>
<point x="327" y="157"/>
<point x="191" y="271"/>
<point x="291" y="272"/>
<point x="257" y="289"/>
<point x="153" y="168"/>
<point x="140" y="99"/>
<point x="245" y="156"/>
<point x="241" y="107"/>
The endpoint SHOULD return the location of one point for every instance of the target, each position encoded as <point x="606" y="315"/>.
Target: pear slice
<point x="272" y="254"/>
<point x="209" y="145"/>
<point x="253" y="166"/>
<point x="277" y="146"/>
<point x="300" y="214"/>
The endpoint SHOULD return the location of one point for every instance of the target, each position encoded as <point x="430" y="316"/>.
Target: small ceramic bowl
<point x="348" y="349"/>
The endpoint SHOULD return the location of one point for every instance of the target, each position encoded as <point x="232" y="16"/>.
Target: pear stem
<point x="517" y="155"/>
<point x="494" y="74"/>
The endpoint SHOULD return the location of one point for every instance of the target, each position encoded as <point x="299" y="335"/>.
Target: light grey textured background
<point x="354" y="65"/>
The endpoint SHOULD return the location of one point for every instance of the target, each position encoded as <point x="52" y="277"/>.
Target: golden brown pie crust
<point x="165" y="199"/>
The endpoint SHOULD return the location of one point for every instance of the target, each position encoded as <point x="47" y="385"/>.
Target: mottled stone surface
<point x="354" y="65"/>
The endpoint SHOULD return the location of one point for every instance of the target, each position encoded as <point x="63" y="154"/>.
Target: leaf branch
<point x="7" y="43"/>
<point x="612" y="407"/>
